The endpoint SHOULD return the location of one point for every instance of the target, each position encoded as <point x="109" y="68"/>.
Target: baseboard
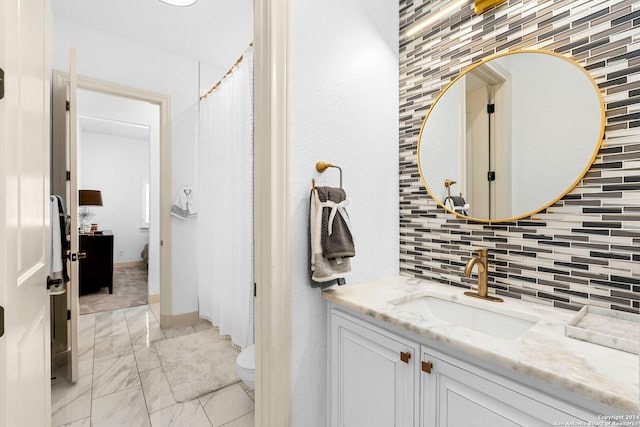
<point x="154" y="299"/>
<point x="129" y="264"/>
<point x="169" y="321"/>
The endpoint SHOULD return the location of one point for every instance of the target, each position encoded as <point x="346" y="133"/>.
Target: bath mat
<point x="197" y="364"/>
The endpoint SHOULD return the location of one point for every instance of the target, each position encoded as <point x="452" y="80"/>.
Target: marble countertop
<point x="544" y="352"/>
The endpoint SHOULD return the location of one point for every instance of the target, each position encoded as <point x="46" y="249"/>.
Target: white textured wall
<point x="120" y="213"/>
<point x="344" y="110"/>
<point x="210" y="75"/>
<point x="440" y="143"/>
<point x="108" y="57"/>
<point x="555" y="115"/>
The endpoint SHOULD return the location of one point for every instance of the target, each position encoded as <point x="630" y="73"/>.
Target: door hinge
<point x="68" y="314"/>
<point x="255" y="290"/>
<point x="1" y="320"/>
<point x="426" y="367"/>
<point x="67" y="105"/>
<point x="68" y="175"/>
<point x="491" y="176"/>
<point x="1" y="83"/>
<point x="491" y="108"/>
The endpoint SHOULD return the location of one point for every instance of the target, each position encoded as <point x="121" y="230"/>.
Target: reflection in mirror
<point x="510" y="136"/>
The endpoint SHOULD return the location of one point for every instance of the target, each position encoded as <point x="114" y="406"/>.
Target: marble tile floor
<point x="123" y="384"/>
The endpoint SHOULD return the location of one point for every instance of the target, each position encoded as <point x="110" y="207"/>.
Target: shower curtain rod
<point x="228" y="73"/>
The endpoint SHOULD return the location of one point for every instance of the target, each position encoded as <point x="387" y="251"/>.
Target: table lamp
<point x="86" y="199"/>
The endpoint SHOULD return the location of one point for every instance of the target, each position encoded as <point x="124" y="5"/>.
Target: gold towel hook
<point x="323" y="166"/>
<point x="448" y="183"/>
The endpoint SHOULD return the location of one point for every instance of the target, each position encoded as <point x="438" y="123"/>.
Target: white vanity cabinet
<point x="370" y="384"/>
<point x="374" y="376"/>
<point x="455" y="393"/>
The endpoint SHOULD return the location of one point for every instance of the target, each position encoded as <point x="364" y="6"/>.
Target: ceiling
<point x="114" y="115"/>
<point x="114" y="128"/>
<point x="212" y="31"/>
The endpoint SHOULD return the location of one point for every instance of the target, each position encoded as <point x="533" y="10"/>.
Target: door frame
<point x="272" y="205"/>
<point x="497" y="80"/>
<point x="164" y="103"/>
<point x="272" y="181"/>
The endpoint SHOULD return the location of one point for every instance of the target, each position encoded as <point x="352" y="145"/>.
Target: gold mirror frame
<point x="571" y="186"/>
<point x="481" y="6"/>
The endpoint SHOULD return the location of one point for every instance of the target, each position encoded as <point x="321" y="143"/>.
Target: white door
<point x="25" y="394"/>
<point x="487" y="146"/>
<point x="64" y="158"/>
<point x="74" y="276"/>
<point x="478" y="149"/>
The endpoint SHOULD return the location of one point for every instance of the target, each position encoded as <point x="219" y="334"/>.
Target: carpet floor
<point x="197" y="364"/>
<point x="129" y="289"/>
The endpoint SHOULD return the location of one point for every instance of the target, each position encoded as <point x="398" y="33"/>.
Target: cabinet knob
<point x="426" y="367"/>
<point x="405" y="356"/>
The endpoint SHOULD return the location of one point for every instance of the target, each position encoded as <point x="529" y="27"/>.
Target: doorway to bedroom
<point x="118" y="155"/>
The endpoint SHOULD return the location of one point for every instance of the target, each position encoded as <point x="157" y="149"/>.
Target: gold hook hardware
<point x="323" y="166"/>
<point x="448" y="183"/>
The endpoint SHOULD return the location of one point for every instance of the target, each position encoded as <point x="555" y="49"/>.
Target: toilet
<point x="246" y="365"/>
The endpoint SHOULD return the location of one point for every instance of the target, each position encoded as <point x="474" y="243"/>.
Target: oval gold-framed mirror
<point x="511" y="135"/>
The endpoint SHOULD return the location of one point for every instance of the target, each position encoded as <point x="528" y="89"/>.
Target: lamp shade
<point x="90" y="198"/>
<point x="181" y="3"/>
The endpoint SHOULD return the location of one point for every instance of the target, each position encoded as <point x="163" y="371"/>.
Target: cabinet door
<point x="369" y="383"/>
<point x="96" y="270"/>
<point x="459" y="394"/>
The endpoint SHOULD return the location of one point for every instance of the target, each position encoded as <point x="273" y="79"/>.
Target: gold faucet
<point x="482" y="260"/>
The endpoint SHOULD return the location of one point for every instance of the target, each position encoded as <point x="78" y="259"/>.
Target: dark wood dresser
<point x="96" y="270"/>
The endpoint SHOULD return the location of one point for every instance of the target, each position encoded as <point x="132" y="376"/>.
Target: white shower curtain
<point x="225" y="211"/>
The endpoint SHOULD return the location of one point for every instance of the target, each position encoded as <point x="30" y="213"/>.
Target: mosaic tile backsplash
<point x="585" y="249"/>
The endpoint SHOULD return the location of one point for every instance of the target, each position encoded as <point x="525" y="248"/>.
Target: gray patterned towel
<point x="325" y="272"/>
<point x="336" y="237"/>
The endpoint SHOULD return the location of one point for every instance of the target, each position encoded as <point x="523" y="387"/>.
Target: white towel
<point x="323" y="269"/>
<point x="56" y="238"/>
<point x="183" y="206"/>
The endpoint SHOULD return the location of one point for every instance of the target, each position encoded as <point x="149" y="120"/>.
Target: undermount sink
<point x="490" y="322"/>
